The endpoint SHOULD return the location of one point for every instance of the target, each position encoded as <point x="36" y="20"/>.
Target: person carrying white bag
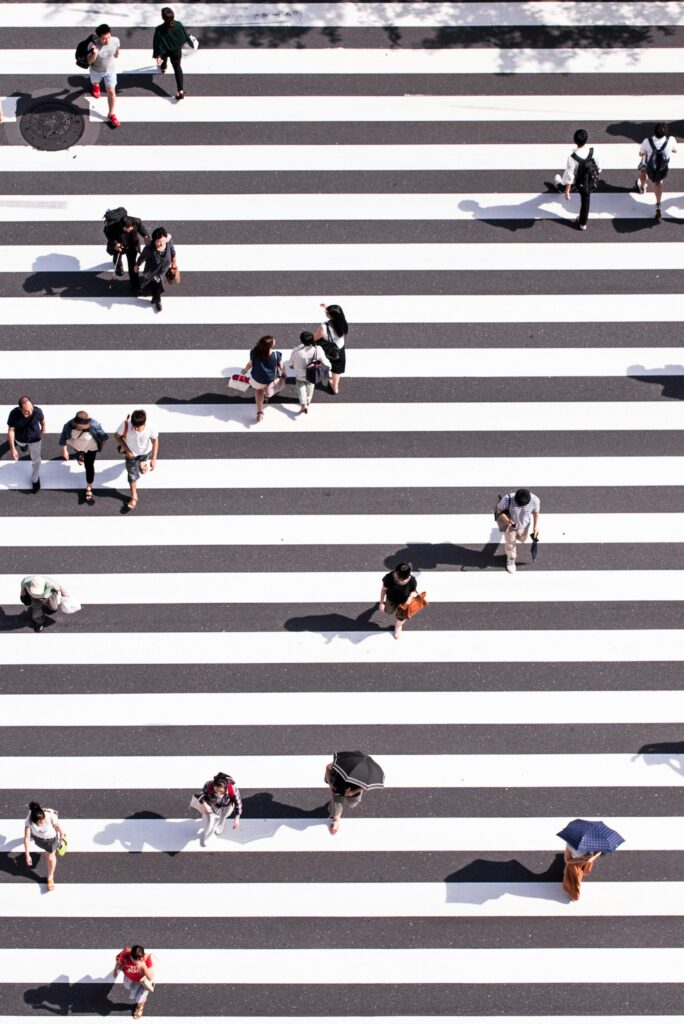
<point x="43" y="594"/>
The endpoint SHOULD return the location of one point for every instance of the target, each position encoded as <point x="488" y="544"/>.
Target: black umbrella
<point x="358" y="769"/>
<point x="535" y="545"/>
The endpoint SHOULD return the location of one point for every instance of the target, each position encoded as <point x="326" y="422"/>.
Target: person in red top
<point x="138" y="973"/>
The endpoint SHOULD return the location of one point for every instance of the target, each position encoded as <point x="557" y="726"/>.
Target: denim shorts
<point x="108" y="77"/>
<point x="133" y="466"/>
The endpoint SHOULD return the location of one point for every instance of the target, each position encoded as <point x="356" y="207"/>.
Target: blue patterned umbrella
<point x="591" y="836"/>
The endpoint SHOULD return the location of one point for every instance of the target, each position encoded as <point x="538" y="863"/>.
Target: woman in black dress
<point x="332" y="334"/>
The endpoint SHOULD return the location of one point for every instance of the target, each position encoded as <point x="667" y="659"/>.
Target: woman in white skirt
<point x="138" y="975"/>
<point x="301" y="356"/>
<point x="43" y="828"/>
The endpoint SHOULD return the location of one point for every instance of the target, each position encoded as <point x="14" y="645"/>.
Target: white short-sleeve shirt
<point x="670" y="143"/>
<point x="45" y="831"/>
<point x="571" y="166"/>
<point x="138" y="441"/>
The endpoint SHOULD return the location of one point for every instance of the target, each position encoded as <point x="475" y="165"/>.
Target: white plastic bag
<point x="69" y="605"/>
<point x="194" y="42"/>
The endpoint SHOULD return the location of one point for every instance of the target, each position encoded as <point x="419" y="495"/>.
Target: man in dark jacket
<point x="123" y="239"/>
<point x="156" y="260"/>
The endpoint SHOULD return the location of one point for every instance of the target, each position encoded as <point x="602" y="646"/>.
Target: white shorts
<point x="109" y="78"/>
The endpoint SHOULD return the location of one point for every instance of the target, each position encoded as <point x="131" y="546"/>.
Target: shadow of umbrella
<point x="670" y="378"/>
<point x="670" y="754"/>
<point x="483" y="880"/>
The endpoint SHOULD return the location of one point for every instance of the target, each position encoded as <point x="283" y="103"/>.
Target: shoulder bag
<point x="415" y="605"/>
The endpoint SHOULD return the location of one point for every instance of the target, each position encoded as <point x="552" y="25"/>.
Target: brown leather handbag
<point x="415" y="605"/>
<point x="173" y="275"/>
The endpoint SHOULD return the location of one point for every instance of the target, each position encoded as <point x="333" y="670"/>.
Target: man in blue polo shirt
<point x="26" y="426"/>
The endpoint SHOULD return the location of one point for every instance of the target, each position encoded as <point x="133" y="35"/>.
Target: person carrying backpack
<point x="581" y="171"/>
<point x="124" y="234"/>
<point x="655" y="153"/>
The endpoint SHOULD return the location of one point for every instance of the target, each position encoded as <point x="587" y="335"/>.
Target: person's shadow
<point x="62" y="997"/>
<point x="483" y="880"/>
<point x="16" y="866"/>
<point x="522" y="216"/>
<point x="334" y="624"/>
<point x="171" y="837"/>
<point x="670" y="378"/>
<point x="432" y="556"/>
<point x="668" y="753"/>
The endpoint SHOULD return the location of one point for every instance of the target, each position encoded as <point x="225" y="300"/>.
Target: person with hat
<point x="513" y="513"/>
<point x="43" y="594"/>
<point x="86" y="437"/>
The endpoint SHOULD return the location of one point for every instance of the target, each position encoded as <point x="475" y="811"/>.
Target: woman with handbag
<point x="332" y="335"/>
<point x="306" y="359"/>
<point x="219" y="798"/>
<point x="169" y="38"/>
<point x="85" y="436"/>
<point x="158" y="260"/>
<point x="42" y="826"/>
<point x="265" y="364"/>
<point x="398" y="587"/>
<point x="138" y="975"/>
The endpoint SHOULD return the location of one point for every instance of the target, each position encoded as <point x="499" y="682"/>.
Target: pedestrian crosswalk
<point x="398" y="159"/>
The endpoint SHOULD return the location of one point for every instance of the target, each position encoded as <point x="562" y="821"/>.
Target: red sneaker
<point x="96" y="92"/>
<point x="114" y="121"/>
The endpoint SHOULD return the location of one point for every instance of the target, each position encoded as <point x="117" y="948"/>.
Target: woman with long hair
<point x="264" y="365"/>
<point x="167" y="45"/>
<point x="42" y="826"/>
<point x="332" y="335"/>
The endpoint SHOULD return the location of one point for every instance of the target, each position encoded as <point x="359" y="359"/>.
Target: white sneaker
<point x="558" y="182"/>
<point x="510" y="565"/>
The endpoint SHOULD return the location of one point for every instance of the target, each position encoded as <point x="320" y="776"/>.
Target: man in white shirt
<point x="101" y="54"/>
<point x="654" y="154"/>
<point x="574" y="175"/>
<point x="514" y="513"/>
<point x="139" y="442"/>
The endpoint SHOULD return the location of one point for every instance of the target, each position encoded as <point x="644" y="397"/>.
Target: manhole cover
<point x="52" y="125"/>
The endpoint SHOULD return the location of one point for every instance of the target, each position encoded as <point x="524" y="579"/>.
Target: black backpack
<point x="658" y="163"/>
<point x="81" y="52"/>
<point x="587" y="173"/>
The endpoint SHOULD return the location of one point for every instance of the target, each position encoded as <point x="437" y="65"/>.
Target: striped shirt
<point x="520" y="514"/>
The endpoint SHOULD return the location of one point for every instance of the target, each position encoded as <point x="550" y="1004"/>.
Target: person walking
<point x="42" y="827"/>
<point x="398" y="587"/>
<point x="167" y="46"/>
<point x="306" y="352"/>
<point x="42" y="594"/>
<point x="342" y="796"/>
<point x="513" y="513"/>
<point x="332" y="334"/>
<point x="26" y="426"/>
<point x="577" y="865"/>
<point x="581" y="171"/>
<point x="158" y="260"/>
<point x="219" y="798"/>
<point x="138" y="441"/>
<point x="655" y="153"/>
<point x="86" y="436"/>
<point x="264" y="365"/>
<point x="101" y="54"/>
<point x="137" y="968"/>
<point x="123" y="239"/>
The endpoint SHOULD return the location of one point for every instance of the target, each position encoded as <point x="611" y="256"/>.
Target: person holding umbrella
<point x="347" y="776"/>
<point x="585" y="842"/>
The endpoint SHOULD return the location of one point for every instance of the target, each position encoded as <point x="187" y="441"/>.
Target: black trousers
<point x="175" y="58"/>
<point x="89" y="464"/>
<point x="153" y="288"/>
<point x="585" y="200"/>
<point x="131" y="256"/>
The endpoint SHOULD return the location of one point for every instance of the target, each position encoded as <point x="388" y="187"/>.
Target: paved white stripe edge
<point x="356" y="530"/>
<point x="188" y="364"/>
<point x="346" y="206"/>
<point x="519" y="707"/>
<point x="438" y="771"/>
<point x="310" y="835"/>
<point x="254" y="900"/>
<point x="289" y="588"/>
<point x="634" y="965"/>
<point x="344" y="647"/>
<point x="184" y="474"/>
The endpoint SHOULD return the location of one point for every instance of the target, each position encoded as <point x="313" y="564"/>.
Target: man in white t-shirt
<point x="574" y="175"/>
<point x="139" y="442"/>
<point x="101" y="54"/>
<point x="654" y="160"/>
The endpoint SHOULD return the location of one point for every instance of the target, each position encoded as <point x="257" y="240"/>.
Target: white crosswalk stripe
<point x="397" y="159"/>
